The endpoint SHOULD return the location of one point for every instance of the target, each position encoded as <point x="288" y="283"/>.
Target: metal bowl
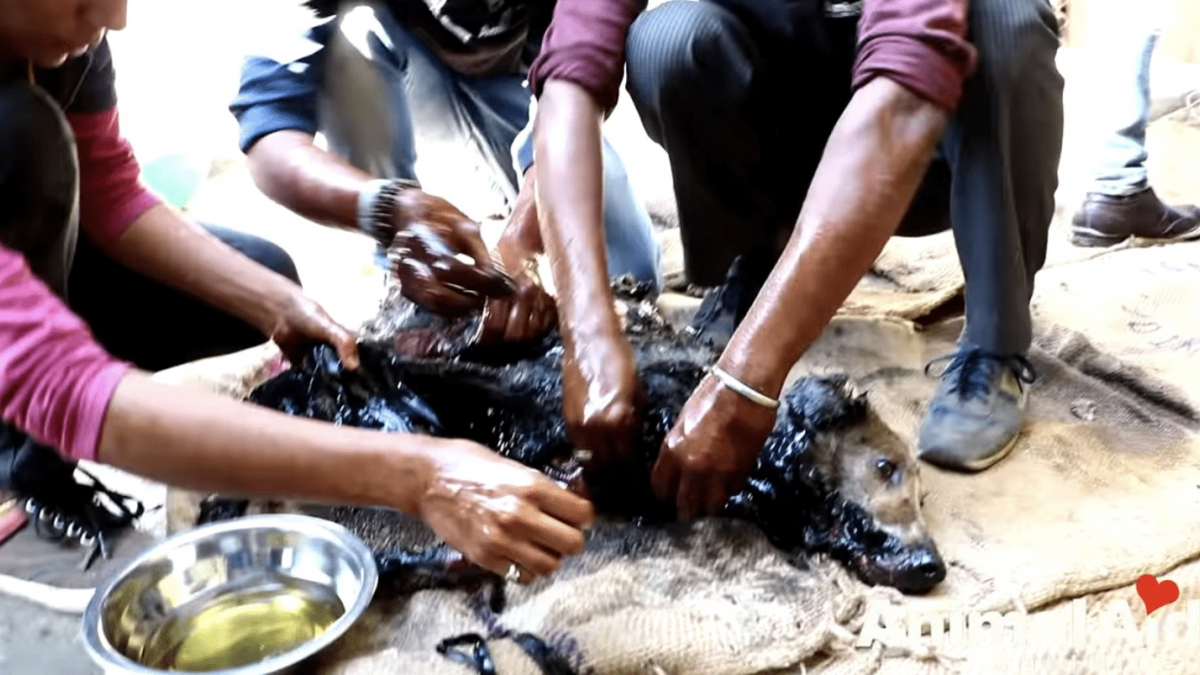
<point x="259" y="595"/>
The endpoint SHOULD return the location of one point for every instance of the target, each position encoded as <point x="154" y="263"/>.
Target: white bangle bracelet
<point x="736" y="385"/>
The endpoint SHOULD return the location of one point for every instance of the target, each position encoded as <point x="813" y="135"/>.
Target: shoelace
<point x="972" y="369"/>
<point x="86" y="521"/>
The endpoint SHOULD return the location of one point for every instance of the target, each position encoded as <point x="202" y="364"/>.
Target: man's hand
<point x="299" y="323"/>
<point x="711" y="450"/>
<point x="873" y="163"/>
<point x="493" y="510"/>
<point x="499" y="513"/>
<point x="602" y="399"/>
<point x="432" y="237"/>
<point x="173" y="250"/>
<point x="530" y="311"/>
<point x="526" y="314"/>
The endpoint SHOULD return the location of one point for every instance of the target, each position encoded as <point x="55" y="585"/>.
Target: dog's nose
<point x="921" y="570"/>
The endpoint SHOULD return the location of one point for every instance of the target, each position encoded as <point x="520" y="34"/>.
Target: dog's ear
<point x="826" y="403"/>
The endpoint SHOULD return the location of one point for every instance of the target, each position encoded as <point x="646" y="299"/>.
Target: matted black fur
<point x="509" y="398"/>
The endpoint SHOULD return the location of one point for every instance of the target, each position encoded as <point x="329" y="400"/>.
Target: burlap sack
<point x="706" y="599"/>
<point x="1101" y="489"/>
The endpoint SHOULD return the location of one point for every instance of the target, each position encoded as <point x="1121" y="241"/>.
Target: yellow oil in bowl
<point x="243" y="626"/>
<point x="257" y="596"/>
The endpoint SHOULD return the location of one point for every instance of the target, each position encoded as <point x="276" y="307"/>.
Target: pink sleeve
<point x="111" y="193"/>
<point x="55" y="380"/>
<point x="920" y="44"/>
<point x="585" y="45"/>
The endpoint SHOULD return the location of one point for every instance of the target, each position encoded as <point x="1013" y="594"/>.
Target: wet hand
<point x="432" y="238"/>
<point x="709" y="453"/>
<point x="526" y="314"/>
<point x="602" y="399"/>
<point x="299" y="324"/>
<point x="499" y="513"/>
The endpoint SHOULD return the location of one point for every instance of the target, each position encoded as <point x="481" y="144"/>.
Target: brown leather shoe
<point x="1105" y="221"/>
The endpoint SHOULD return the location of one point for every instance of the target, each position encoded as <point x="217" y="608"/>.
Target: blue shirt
<point x="280" y="87"/>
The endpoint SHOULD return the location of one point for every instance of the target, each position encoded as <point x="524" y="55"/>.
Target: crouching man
<point x="802" y="135"/>
<point x="101" y="282"/>
<point x="379" y="79"/>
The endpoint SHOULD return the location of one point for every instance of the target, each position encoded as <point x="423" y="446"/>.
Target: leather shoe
<point x="1106" y="221"/>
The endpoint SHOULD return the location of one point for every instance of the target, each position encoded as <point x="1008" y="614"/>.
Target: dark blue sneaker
<point x="73" y="521"/>
<point x="977" y="414"/>
<point x="724" y="307"/>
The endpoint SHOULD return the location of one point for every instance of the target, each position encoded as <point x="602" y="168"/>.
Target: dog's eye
<point x="885" y="468"/>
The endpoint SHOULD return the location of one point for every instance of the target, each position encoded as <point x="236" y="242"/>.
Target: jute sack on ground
<point x="700" y="598"/>
<point x="1101" y="489"/>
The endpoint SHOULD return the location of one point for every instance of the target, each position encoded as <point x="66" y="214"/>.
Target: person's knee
<point x="264" y="252"/>
<point x="364" y="111"/>
<point x="629" y="232"/>
<point x="275" y="258"/>
<point x="38" y="179"/>
<point x="34" y="143"/>
<point x="1017" y="42"/>
<point x="683" y="49"/>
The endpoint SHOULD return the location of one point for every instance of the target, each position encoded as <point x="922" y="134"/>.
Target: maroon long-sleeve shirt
<point x="919" y="44"/>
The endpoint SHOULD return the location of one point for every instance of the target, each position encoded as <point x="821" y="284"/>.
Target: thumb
<point x="346" y="345"/>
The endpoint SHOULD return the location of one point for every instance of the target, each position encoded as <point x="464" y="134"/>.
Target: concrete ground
<point x="177" y="72"/>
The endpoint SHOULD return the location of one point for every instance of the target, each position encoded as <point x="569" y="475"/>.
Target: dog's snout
<point x="921" y="570"/>
<point x="930" y="568"/>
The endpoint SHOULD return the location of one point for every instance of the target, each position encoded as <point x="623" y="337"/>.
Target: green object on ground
<point x="176" y="177"/>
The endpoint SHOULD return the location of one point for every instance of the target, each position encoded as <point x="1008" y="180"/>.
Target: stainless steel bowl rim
<point x="108" y="658"/>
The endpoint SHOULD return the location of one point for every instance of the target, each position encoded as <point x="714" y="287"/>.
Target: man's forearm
<point x="523" y="231"/>
<point x="167" y="247"/>
<point x="203" y="442"/>
<point x="307" y="180"/>
<point x="570" y="200"/>
<point x="873" y="164"/>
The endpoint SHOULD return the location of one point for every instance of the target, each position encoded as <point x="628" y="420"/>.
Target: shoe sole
<point x="1085" y="238"/>
<point x="1088" y="239"/>
<point x="976" y="465"/>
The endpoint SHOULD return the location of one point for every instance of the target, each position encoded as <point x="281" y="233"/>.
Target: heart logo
<point x="1155" y="593"/>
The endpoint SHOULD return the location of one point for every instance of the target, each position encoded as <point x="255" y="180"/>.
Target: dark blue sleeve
<point x="280" y="87"/>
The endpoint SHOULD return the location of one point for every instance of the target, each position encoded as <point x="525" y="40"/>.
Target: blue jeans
<point x="485" y="121"/>
<point x="1123" y="34"/>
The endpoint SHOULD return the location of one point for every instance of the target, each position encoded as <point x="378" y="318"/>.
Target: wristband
<point x="376" y="201"/>
<point x="736" y="385"/>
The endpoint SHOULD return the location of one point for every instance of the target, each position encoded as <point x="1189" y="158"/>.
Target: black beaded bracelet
<point x="382" y="215"/>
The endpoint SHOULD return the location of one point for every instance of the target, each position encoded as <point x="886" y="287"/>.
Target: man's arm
<point x="318" y="185"/>
<point x="570" y="201"/>
<point x="913" y="59"/>
<point x="912" y="62"/>
<point x="493" y="510"/>
<point x="165" y="246"/>
<point x="874" y="161"/>
<point x="133" y="227"/>
<point x="277" y="112"/>
<point x="577" y="78"/>
<point x="204" y="442"/>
